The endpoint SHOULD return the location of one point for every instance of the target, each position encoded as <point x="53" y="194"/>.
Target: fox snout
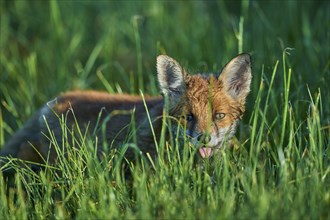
<point x="208" y="143"/>
<point x="204" y="138"/>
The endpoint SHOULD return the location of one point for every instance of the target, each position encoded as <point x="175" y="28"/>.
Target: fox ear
<point x="171" y="76"/>
<point x="236" y="76"/>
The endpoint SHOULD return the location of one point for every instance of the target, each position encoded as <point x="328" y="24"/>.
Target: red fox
<point x="206" y="108"/>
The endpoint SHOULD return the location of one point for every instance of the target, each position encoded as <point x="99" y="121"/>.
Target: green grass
<point x="281" y="167"/>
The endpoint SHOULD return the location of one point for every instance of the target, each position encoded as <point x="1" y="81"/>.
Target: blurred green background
<point x="48" y="47"/>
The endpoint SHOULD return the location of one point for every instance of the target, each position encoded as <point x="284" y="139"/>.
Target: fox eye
<point x="219" y="116"/>
<point x="189" y="117"/>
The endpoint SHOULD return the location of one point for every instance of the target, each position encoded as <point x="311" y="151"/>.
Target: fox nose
<point x="204" y="138"/>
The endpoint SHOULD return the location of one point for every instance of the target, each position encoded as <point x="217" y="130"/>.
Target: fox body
<point x="205" y="107"/>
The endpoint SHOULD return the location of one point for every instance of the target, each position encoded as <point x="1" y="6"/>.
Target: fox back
<point x="205" y="108"/>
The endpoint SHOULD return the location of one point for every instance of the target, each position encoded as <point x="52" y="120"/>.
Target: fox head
<point x="207" y="106"/>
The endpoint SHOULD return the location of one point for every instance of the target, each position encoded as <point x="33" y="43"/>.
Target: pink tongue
<point x="205" y="152"/>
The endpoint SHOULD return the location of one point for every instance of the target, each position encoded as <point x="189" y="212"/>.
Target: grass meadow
<point x="280" y="165"/>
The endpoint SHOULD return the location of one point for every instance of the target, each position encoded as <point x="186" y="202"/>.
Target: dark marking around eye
<point x="189" y="117"/>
